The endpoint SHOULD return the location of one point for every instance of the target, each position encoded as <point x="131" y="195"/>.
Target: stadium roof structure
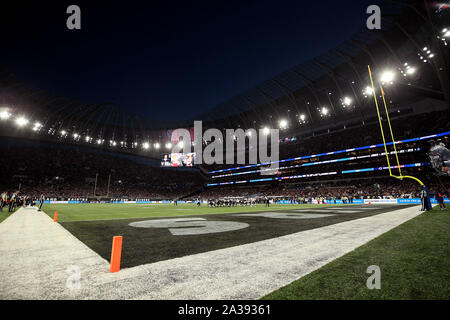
<point x="329" y="89"/>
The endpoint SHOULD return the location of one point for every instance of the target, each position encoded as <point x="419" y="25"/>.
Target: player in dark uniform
<point x="3" y="200"/>
<point x="41" y="202"/>
<point x="13" y="201"/>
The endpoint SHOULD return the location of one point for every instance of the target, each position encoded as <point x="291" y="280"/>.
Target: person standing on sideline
<point x="13" y="202"/>
<point x="41" y="202"/>
<point x="426" y="200"/>
<point x="3" y="200"/>
<point x="440" y="200"/>
<point x="422" y="199"/>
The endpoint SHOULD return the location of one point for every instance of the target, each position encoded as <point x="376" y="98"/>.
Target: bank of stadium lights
<point x="63" y="133"/>
<point x="368" y="91"/>
<point x="347" y="102"/>
<point x="37" y="126"/>
<point x="283" y="124"/>
<point x="157" y="145"/>
<point x="22" y="121"/>
<point x="425" y="55"/>
<point x="168" y="145"/>
<point x="387" y="77"/>
<point x="302" y="118"/>
<point x="112" y="143"/>
<point x="75" y="136"/>
<point x="146" y="145"/>
<point x="100" y="141"/>
<point x="324" y="111"/>
<point x="446" y="33"/>
<point x="5" y="115"/>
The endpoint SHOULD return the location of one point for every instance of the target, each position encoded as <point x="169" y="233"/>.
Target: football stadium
<point x="329" y="180"/>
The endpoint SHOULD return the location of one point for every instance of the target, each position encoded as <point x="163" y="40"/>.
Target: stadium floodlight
<point x="88" y="138"/>
<point x="146" y="145"/>
<point x="347" y="101"/>
<point x="75" y="135"/>
<point x="168" y="145"/>
<point x="283" y="124"/>
<point x="410" y="70"/>
<point x="447" y="34"/>
<point x="99" y="141"/>
<point x="387" y="76"/>
<point x="431" y="55"/>
<point x="157" y="145"/>
<point x="324" y="111"/>
<point x="4" y="115"/>
<point x="368" y="91"/>
<point x="302" y="117"/>
<point x="63" y="132"/>
<point x="266" y="130"/>
<point x="21" y="121"/>
<point x="425" y="48"/>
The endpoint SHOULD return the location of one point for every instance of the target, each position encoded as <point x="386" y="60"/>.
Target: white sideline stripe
<point x="247" y="271"/>
<point x="35" y="253"/>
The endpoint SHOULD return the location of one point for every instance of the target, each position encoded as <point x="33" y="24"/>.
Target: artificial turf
<point x="414" y="260"/>
<point x="147" y="245"/>
<point x="105" y="211"/>
<point x="4" y="214"/>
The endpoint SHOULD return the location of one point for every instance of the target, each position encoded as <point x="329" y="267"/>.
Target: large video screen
<point x="178" y="160"/>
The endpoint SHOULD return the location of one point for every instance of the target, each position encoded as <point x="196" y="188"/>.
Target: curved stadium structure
<point x="322" y="105"/>
<point x="91" y="207"/>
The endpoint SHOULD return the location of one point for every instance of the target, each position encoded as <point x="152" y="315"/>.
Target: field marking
<point x="172" y="216"/>
<point x="35" y="255"/>
<point x="190" y="226"/>
<point x="248" y="271"/>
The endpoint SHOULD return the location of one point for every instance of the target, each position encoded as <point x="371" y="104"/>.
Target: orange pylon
<point x="116" y="254"/>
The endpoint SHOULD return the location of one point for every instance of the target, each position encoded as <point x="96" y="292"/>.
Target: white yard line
<point x="248" y="271"/>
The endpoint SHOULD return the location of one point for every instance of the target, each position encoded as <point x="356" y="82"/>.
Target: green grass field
<point x="414" y="260"/>
<point x="104" y="211"/>
<point x="4" y="214"/>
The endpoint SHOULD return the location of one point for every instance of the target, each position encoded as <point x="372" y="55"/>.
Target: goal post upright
<point x="401" y="176"/>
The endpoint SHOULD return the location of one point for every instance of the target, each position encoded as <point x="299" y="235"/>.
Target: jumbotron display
<point x="178" y="160"/>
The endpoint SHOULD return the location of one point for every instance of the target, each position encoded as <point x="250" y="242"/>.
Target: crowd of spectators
<point x="75" y="174"/>
<point x="382" y="188"/>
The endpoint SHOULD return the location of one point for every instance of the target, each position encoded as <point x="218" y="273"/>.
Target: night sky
<point x="168" y="60"/>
